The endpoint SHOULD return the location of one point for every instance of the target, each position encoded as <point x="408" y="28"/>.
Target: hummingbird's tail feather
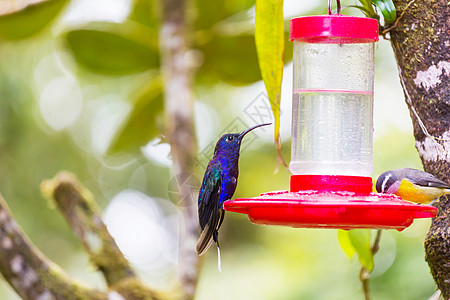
<point x="219" y="262"/>
<point x="210" y="232"/>
<point x="206" y="237"/>
<point x="216" y="239"/>
<point x="205" y="240"/>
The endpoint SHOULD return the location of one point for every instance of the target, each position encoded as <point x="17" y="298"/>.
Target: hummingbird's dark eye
<point x="230" y="138"/>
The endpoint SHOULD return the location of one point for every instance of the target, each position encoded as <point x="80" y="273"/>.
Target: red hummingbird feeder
<point x="332" y="130"/>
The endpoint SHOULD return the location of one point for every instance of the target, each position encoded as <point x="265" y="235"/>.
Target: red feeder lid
<point x="334" y="29"/>
<point x="330" y="209"/>
<point x="332" y="183"/>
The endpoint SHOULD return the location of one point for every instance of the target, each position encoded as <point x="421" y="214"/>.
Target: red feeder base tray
<point x="330" y="209"/>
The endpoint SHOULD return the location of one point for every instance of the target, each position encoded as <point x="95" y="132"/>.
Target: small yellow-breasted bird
<point x="412" y="185"/>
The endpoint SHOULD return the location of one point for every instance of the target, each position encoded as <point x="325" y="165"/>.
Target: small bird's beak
<point x="243" y="133"/>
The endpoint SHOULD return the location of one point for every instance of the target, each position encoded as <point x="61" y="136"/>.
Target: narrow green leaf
<point x="269" y="38"/>
<point x="141" y="125"/>
<point x="113" y="52"/>
<point x="346" y="243"/>
<point x="29" y="20"/>
<point x="367" y="9"/>
<point x="231" y="59"/>
<point x="360" y="239"/>
<point x="387" y="8"/>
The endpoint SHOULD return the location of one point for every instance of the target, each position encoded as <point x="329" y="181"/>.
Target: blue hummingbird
<point x="219" y="184"/>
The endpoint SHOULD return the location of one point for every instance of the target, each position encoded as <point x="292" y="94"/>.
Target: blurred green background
<point x="83" y="94"/>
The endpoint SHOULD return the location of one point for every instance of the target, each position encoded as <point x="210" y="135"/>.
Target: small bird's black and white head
<point x="388" y="182"/>
<point x="231" y="142"/>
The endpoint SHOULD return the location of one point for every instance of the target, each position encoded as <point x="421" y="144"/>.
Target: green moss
<point x="133" y="289"/>
<point x="60" y="285"/>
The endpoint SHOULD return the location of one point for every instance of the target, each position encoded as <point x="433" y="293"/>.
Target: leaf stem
<point x="364" y="274"/>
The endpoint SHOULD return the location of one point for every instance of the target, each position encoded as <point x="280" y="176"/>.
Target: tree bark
<point x="421" y="45"/>
<point x="177" y="69"/>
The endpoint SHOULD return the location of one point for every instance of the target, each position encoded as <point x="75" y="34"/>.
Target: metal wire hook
<point x="338" y="6"/>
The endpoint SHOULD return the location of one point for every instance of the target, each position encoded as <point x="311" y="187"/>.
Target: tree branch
<point x="77" y="205"/>
<point x="177" y="69"/>
<point x="420" y="43"/>
<point x="29" y="272"/>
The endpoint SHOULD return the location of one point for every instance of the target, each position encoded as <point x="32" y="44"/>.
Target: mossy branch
<point x="81" y="212"/>
<point x="31" y="274"/>
<point x="79" y="208"/>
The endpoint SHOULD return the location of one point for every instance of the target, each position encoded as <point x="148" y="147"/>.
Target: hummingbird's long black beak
<point x="243" y="133"/>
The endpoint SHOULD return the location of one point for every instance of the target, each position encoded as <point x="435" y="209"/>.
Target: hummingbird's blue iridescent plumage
<point x="219" y="184"/>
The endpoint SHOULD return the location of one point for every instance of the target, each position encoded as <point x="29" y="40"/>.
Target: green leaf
<point x="269" y="37"/>
<point x="232" y="7"/>
<point x="387" y="8"/>
<point x="141" y="125"/>
<point x="114" y="51"/>
<point x="231" y="59"/>
<point x="144" y="12"/>
<point x="368" y="8"/>
<point x="346" y="243"/>
<point x="209" y="13"/>
<point x="360" y="239"/>
<point x="29" y="20"/>
<point x="364" y="11"/>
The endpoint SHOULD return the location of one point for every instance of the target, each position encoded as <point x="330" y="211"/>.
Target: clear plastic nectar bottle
<point x="332" y="109"/>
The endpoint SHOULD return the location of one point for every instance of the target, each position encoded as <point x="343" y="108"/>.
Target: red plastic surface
<point x="331" y="183"/>
<point x="344" y="210"/>
<point x="334" y="29"/>
<point x="328" y="201"/>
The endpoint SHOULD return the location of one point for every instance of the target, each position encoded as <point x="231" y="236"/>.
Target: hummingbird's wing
<point x="208" y="209"/>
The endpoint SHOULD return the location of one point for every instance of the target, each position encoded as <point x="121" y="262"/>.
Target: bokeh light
<point x="146" y="234"/>
<point x="61" y="102"/>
